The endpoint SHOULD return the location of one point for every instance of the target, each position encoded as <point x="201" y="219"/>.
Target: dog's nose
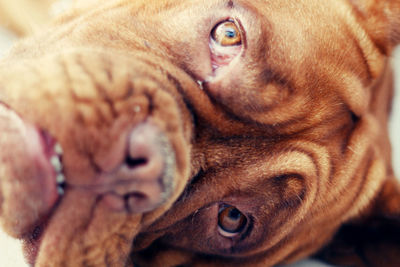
<point x="144" y="180"/>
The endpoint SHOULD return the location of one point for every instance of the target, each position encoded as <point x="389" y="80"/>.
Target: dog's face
<point x="203" y="133"/>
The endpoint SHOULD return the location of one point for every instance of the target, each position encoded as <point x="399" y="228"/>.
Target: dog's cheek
<point x="374" y="239"/>
<point x="201" y="231"/>
<point x="244" y="92"/>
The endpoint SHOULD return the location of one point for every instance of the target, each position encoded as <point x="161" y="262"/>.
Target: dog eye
<point x="231" y="221"/>
<point x="226" y="34"/>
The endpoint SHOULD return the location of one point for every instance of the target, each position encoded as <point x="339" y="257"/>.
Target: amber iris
<point x="227" y="34"/>
<point x="231" y="220"/>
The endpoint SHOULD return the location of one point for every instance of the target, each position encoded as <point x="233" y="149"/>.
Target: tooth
<point x="200" y="83"/>
<point x="60" y="178"/>
<point x="58" y="149"/>
<point x="55" y="161"/>
<point x="60" y="190"/>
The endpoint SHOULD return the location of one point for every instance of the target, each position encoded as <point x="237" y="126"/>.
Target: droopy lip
<point x="52" y="152"/>
<point x="33" y="174"/>
<point x="31" y="168"/>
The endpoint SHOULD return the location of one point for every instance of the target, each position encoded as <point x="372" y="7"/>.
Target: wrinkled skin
<point x="292" y="134"/>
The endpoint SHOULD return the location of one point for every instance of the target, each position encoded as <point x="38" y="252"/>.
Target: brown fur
<point x="295" y="136"/>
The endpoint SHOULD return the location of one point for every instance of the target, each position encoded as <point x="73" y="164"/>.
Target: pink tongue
<point x="28" y="182"/>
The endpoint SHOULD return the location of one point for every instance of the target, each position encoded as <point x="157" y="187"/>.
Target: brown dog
<point x="203" y="133"/>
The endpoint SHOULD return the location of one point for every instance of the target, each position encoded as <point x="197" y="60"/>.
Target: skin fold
<point x="163" y="129"/>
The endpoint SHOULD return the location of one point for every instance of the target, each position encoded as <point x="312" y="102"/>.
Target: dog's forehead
<point x="286" y="30"/>
<point x="293" y="21"/>
<point x="280" y="37"/>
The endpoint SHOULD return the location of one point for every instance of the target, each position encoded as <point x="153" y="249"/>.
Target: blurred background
<point x="22" y="17"/>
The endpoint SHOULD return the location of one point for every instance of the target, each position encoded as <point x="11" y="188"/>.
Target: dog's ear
<point x="373" y="240"/>
<point x="381" y="19"/>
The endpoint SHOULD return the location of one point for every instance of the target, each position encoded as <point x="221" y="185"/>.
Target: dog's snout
<point x="144" y="179"/>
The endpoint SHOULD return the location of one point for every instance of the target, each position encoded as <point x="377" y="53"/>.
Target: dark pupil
<point x="230" y="33"/>
<point x="234" y="214"/>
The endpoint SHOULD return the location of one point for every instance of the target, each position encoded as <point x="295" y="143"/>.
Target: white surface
<point x="395" y="121"/>
<point x="6" y="39"/>
<point x="10" y="250"/>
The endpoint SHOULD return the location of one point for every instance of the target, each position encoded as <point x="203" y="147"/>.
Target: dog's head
<point x="209" y="132"/>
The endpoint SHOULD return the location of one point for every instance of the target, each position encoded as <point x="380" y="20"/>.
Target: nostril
<point x="135" y="162"/>
<point x="138" y="202"/>
<point x="144" y="157"/>
<point x="136" y="195"/>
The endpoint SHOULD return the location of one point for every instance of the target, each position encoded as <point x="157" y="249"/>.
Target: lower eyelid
<point x="226" y="234"/>
<point x="223" y="55"/>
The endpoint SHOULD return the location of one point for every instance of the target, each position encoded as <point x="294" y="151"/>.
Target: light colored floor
<point x="6" y="40"/>
<point x="395" y="122"/>
<point x="10" y="250"/>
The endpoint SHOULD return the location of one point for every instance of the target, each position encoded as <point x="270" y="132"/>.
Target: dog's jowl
<point x="202" y="133"/>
